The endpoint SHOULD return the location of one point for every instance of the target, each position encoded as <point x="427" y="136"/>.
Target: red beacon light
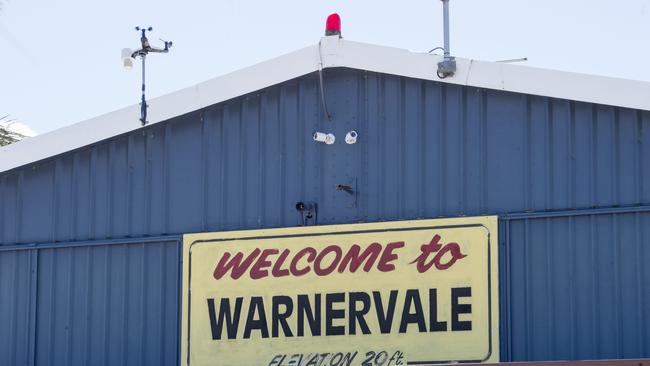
<point x="333" y="25"/>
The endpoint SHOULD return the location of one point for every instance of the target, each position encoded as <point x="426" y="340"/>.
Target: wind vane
<point x="128" y="56"/>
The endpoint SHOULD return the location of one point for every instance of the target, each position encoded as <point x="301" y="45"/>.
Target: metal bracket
<point x="308" y="213"/>
<point x="351" y="190"/>
<point x="447" y="67"/>
<point x="345" y="188"/>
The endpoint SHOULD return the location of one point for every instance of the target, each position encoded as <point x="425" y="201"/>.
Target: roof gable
<point x="328" y="53"/>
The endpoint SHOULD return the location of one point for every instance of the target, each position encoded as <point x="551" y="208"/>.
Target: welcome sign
<point x="391" y="293"/>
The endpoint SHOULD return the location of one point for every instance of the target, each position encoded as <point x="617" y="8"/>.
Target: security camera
<point x="351" y="137"/>
<point x="327" y="138"/>
<point x="304" y="206"/>
<point x="308" y="212"/>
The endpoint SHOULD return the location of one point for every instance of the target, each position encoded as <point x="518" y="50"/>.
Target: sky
<point x="60" y="60"/>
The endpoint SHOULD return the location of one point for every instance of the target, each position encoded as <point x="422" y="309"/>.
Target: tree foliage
<point x="7" y="136"/>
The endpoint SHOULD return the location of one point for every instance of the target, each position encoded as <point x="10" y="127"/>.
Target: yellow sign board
<point x="380" y="294"/>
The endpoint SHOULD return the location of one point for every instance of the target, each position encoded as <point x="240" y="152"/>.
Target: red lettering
<point x="311" y="252"/>
<point x="434" y="246"/>
<point x="236" y="265"/>
<point x="425" y="250"/>
<point x="354" y="259"/>
<point x="388" y="256"/>
<point x="259" y="270"/>
<point x="454" y="250"/>
<point x="277" y="268"/>
<point x="318" y="269"/>
<point x="261" y="263"/>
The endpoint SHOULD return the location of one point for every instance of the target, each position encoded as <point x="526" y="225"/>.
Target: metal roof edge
<point x="328" y="53"/>
<point x="216" y="90"/>
<point x="491" y="75"/>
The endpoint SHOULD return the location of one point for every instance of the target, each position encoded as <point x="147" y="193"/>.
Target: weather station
<point x="128" y="58"/>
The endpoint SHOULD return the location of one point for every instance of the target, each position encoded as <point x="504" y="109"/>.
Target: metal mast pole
<point x="143" y="103"/>
<point x="143" y="52"/>
<point x="446" y="67"/>
<point x="445" y="15"/>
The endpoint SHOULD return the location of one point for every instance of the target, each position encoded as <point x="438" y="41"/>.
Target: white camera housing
<point x="351" y="137"/>
<point x="327" y="138"/>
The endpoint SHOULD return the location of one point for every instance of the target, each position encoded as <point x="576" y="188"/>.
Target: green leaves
<point x="7" y="136"/>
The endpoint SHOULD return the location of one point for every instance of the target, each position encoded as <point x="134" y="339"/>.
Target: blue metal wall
<point x="16" y="304"/>
<point x="425" y="150"/>
<point x="576" y="284"/>
<point x="100" y="303"/>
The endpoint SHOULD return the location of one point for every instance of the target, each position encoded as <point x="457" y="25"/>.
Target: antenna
<point x="446" y="67"/>
<point x="128" y="56"/>
<point x="513" y="60"/>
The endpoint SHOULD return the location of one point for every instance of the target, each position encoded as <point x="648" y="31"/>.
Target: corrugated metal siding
<point x="112" y="304"/>
<point x="425" y="150"/>
<point x="578" y="287"/>
<point x="15" y="308"/>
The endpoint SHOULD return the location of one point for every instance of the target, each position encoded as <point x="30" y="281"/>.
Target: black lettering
<point x="333" y="314"/>
<point x="434" y="324"/>
<point x="313" y="361"/>
<point x="348" y="358"/>
<point x="277" y="360"/>
<point x="370" y="356"/>
<point x="336" y="359"/>
<point x="256" y="306"/>
<point x="358" y="315"/>
<point x="281" y="318"/>
<point x="232" y="323"/>
<point x="296" y="359"/>
<point x="381" y="358"/>
<point x="412" y="297"/>
<point x="313" y="318"/>
<point x="385" y="320"/>
<point x="457" y="309"/>
<point x="323" y="357"/>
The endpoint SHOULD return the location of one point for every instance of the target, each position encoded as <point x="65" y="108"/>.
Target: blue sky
<point x="61" y="64"/>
